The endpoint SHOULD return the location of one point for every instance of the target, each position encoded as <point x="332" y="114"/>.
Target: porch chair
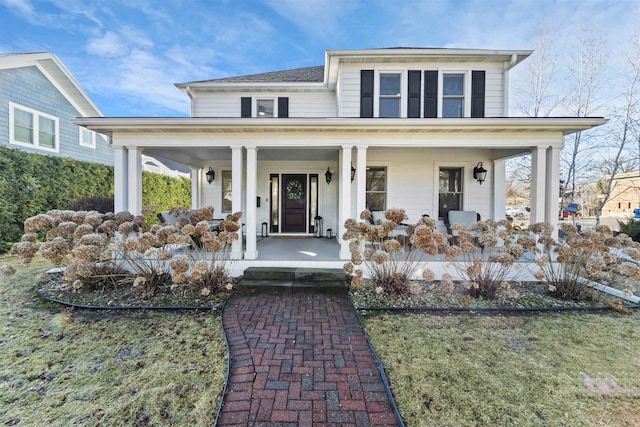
<point x="399" y="232"/>
<point x="463" y="218"/>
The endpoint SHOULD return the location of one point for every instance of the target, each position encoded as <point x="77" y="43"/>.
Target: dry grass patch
<point x="67" y="367"/>
<point x="495" y="370"/>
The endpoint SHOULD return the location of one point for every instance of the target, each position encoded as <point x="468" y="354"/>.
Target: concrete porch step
<point x="293" y="277"/>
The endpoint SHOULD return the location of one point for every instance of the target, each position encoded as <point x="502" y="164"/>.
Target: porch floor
<point x="298" y="248"/>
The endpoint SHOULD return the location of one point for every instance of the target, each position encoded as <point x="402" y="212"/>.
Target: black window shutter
<point x="413" y="98"/>
<point x="366" y="93"/>
<point x="431" y="93"/>
<point x="245" y="107"/>
<point x="283" y="106"/>
<point x="477" y="93"/>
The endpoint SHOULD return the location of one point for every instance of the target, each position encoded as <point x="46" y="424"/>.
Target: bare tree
<point x="625" y="129"/>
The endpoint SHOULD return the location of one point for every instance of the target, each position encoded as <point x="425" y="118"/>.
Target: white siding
<point x="349" y="83"/>
<point x="301" y="104"/>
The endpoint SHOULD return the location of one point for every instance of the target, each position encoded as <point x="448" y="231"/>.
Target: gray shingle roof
<point x="298" y="75"/>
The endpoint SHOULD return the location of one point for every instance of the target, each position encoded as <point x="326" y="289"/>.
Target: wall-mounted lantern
<point x="328" y="175"/>
<point x="211" y="175"/>
<point x="479" y="173"/>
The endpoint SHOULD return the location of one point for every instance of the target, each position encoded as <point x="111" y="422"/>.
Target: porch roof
<point x="565" y="125"/>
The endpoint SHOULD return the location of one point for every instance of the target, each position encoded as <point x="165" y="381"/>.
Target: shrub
<point x="631" y="228"/>
<point x="489" y="265"/>
<point x="594" y="255"/>
<point x="121" y="249"/>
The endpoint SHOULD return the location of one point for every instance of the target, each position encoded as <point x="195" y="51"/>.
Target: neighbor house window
<point x="453" y="95"/>
<point x="376" y="188"/>
<point x="227" y="198"/>
<point x="389" y="101"/>
<point x="31" y="128"/>
<point x="87" y="138"/>
<point x="449" y="191"/>
<point x="264" y="107"/>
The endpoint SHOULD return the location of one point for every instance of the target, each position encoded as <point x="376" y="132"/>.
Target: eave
<point x="564" y="125"/>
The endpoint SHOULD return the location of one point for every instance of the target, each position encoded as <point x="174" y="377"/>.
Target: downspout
<point x="191" y="97"/>
<point x="508" y="66"/>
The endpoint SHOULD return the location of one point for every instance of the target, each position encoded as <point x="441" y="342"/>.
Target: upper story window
<point x="87" y="138"/>
<point x="32" y="128"/>
<point x="264" y="107"/>
<point x="390" y="95"/>
<point x="453" y="95"/>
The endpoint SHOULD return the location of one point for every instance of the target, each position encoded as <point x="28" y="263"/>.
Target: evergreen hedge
<point x="32" y="183"/>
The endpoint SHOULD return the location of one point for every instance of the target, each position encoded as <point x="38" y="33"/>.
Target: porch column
<point x="344" y="211"/>
<point x="552" y="188"/>
<point x="251" y="251"/>
<point x="196" y="182"/>
<point x="134" y="175"/>
<point x="120" y="193"/>
<point x="538" y="186"/>
<point x="236" y="197"/>
<point x="499" y="189"/>
<point x="361" y="179"/>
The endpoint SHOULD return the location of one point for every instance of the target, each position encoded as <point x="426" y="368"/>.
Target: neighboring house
<point x="38" y="100"/>
<point x="380" y="128"/>
<point x="624" y="197"/>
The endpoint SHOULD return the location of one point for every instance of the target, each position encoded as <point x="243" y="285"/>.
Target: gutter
<point x="507" y="67"/>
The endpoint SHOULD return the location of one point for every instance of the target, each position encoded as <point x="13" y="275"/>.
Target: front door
<point x="294" y="203"/>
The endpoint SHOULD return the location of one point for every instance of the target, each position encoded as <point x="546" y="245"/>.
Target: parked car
<point x="566" y="214"/>
<point x="517" y="211"/>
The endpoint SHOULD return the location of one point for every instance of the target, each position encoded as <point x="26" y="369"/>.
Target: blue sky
<point x="128" y="54"/>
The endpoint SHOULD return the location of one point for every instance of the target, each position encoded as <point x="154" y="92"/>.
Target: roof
<point x="297" y="75"/>
<point x="58" y="75"/>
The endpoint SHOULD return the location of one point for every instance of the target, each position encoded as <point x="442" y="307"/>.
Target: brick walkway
<point x="300" y="357"/>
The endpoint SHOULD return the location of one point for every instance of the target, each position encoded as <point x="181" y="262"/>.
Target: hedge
<point x="32" y="183"/>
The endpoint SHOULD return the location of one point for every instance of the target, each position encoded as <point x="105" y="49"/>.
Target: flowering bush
<point x="111" y="249"/>
<point x="595" y="255"/>
<point x="388" y="263"/>
<point x="488" y="265"/>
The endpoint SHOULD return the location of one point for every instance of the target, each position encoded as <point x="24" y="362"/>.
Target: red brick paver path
<point x="300" y="357"/>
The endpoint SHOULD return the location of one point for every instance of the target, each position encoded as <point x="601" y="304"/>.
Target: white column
<point x="236" y="197"/>
<point x="196" y="187"/>
<point x="499" y="189"/>
<point x="134" y="175"/>
<point x="120" y="193"/>
<point x="552" y="187"/>
<point x="251" y="251"/>
<point x="361" y="179"/>
<point x="344" y="200"/>
<point x="538" y="185"/>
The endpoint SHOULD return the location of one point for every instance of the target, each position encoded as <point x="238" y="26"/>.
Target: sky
<point x="128" y="55"/>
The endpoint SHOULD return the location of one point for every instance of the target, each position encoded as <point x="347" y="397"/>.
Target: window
<point x="31" y="128"/>
<point x="264" y="107"/>
<point x="376" y="188"/>
<point x="389" y="105"/>
<point x="227" y="200"/>
<point x="449" y="191"/>
<point x="453" y="95"/>
<point x="87" y="138"/>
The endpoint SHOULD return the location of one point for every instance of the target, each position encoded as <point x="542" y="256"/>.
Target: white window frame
<point x="255" y="106"/>
<point x="386" y="184"/>
<point x="436" y="183"/>
<point x="36" y="128"/>
<point x="403" y="90"/>
<point x="466" y="100"/>
<point x="81" y="131"/>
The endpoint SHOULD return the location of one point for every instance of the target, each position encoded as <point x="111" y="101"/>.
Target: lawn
<point x="551" y="369"/>
<point x="77" y="367"/>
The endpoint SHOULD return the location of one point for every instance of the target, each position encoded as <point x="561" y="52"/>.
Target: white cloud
<point x="109" y="45"/>
<point x="21" y="7"/>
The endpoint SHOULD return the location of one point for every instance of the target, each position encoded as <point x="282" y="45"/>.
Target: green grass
<point x="78" y="367"/>
<point x="547" y="369"/>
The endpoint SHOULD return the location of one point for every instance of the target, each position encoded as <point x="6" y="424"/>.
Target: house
<point x="39" y="98"/>
<point x="379" y="128"/>
<point x="624" y="199"/>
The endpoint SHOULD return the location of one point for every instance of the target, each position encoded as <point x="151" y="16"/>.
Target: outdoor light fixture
<point x="328" y="175"/>
<point x="353" y="172"/>
<point x="479" y="173"/>
<point x="211" y="175"/>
